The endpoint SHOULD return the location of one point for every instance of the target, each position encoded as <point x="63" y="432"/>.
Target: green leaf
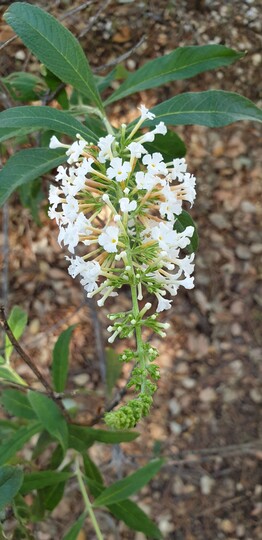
<point x="8" y="374"/>
<point x="122" y="489"/>
<point x="214" y="108"/>
<point x="54" y="46"/>
<point x="113" y="370"/>
<point x="185" y="220"/>
<point x="10" y="133"/>
<point x="43" y="479"/>
<point x="24" y="86"/>
<point x="135" y="518"/>
<point x="17" y="404"/>
<point x="128" y="512"/>
<point x="52" y="495"/>
<point x="35" y="118"/>
<point x="25" y="166"/>
<point x="60" y="359"/>
<point x="11" y="479"/>
<point x="182" y="63"/>
<point x="17" y="440"/>
<point x="50" y="416"/>
<point x="82" y="438"/>
<point x="17" y="321"/>
<point x="91" y="470"/>
<point x="74" y="531"/>
<point x="170" y="146"/>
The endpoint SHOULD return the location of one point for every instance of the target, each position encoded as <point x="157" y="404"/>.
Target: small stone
<point x="236" y="329"/>
<point x="230" y="395"/>
<point x="206" y="484"/>
<point x="165" y="525"/>
<point x="188" y="383"/>
<point x="237" y="368"/>
<point x="256" y="59"/>
<point x="248" y="207"/>
<point x="219" y="221"/>
<point x="243" y="252"/>
<point x="176" y="428"/>
<point x="178" y="486"/>
<point x="227" y="526"/>
<point x="240" y="531"/>
<point x="256" y="395"/>
<point x="81" y="379"/>
<point x="207" y="395"/>
<point x="34" y="326"/>
<point x="237" y="307"/>
<point x="256" y="248"/>
<point x="258" y="490"/>
<point x="20" y="55"/>
<point x="174" y="407"/>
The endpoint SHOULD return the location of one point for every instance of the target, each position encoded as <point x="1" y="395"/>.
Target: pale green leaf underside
<point x="25" y="166"/>
<point x="11" y="479"/>
<point x="182" y="63"/>
<point x="54" y="46"/>
<point x="27" y="117"/>
<point x="213" y="108"/>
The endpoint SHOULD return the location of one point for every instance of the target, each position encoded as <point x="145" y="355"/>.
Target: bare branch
<point x="122" y="57"/>
<point x="94" y="18"/>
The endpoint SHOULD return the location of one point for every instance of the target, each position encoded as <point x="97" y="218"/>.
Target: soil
<point x="206" y="420"/>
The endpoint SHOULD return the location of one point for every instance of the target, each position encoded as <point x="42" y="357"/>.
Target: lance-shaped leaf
<point x="60" y="359"/>
<point x="17" y="441"/>
<point x="170" y="146"/>
<point x="17" y="321"/>
<point x="182" y="63"/>
<point x="54" y="46"/>
<point x="25" y="166"/>
<point x="17" y="404"/>
<point x="82" y="438"/>
<point x="213" y="108"/>
<point x="73" y="532"/>
<point x="35" y="118"/>
<point x="122" y="489"/>
<point x="50" y="417"/>
<point x="129" y="512"/>
<point x="11" y="479"/>
<point x="183" y="221"/>
<point x="42" y="479"/>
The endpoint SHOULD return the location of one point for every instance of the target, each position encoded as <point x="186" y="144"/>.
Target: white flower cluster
<point x="122" y="203"/>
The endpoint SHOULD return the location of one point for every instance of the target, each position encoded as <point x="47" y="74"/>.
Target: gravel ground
<point x="207" y="414"/>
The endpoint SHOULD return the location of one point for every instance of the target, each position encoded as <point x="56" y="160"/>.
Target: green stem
<point x="87" y="502"/>
<point x="136" y="311"/>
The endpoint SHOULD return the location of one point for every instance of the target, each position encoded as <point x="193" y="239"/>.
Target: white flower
<point x="75" y="150"/>
<point x="179" y="169"/>
<point x="85" y="167"/>
<point x="109" y="238"/>
<point x="55" y="143"/>
<point x="172" y="205"/>
<point x="90" y="275"/>
<point x="119" y="169"/>
<point x="146" y="180"/>
<point x="136" y="149"/>
<point x="54" y="198"/>
<point x="105" y="143"/>
<point x="150" y="135"/>
<point x="70" y="208"/>
<point x="188" y="186"/>
<point x="155" y="164"/>
<point x="126" y="205"/>
<point x="163" y="303"/>
<point x="145" y="113"/>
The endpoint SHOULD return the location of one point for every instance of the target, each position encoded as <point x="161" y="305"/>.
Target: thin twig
<point x="120" y="58"/>
<point x="8" y="41"/>
<point x="4" y="324"/>
<point x="94" y="18"/>
<point x="72" y="11"/>
<point x="98" y="338"/>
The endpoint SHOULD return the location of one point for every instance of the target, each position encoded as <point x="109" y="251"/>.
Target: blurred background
<point x="207" y="414"/>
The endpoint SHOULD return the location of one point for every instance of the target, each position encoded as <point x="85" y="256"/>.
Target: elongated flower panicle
<point x="122" y="204"/>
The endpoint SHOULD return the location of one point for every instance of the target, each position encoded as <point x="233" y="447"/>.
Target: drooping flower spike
<point x="122" y="203"/>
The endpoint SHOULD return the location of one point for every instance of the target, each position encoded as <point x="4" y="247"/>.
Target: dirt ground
<point x="206" y="419"/>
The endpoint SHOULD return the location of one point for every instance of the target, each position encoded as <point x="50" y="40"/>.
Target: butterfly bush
<point x="118" y="204"/>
